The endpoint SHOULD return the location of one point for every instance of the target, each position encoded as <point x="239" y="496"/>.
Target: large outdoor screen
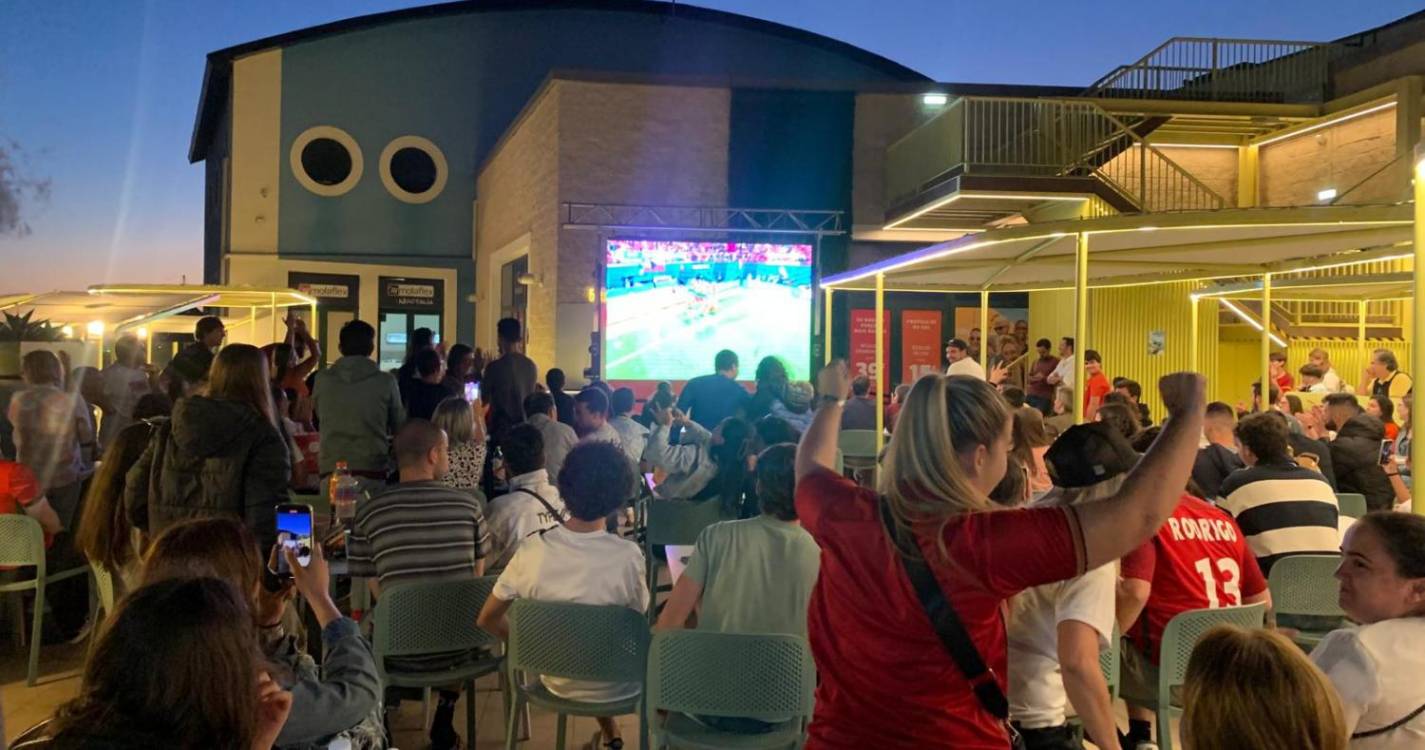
<point x="671" y="306"/>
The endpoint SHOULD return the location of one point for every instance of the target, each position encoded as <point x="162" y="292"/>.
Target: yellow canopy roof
<point x="223" y="296"/>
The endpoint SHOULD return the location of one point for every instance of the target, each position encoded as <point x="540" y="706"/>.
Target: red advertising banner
<point x="863" y="343"/>
<point x="920" y="344"/>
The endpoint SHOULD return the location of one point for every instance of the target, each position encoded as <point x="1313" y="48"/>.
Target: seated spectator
<point x="558" y="438"/>
<point x="1199" y="559"/>
<point x="1383" y="376"/>
<point x="425" y="390"/>
<point x="1121" y="417"/>
<point x="1382" y="408"/>
<point x="456" y="417"/>
<point x="705" y="465"/>
<point x="579" y="561"/>
<point x="1057" y="629"/>
<point x="664" y="390"/>
<point x="532" y="504"/>
<point x="563" y="402"/>
<point x="1355" y="449"/>
<point x="795" y="406"/>
<point x="104" y="534"/>
<point x="1312" y="379"/>
<point x="1219" y="457"/>
<point x="1286" y="703"/>
<point x="860" y="411"/>
<point x="1282" y="508"/>
<point x="421" y="530"/>
<point x="633" y="437"/>
<point x="1321" y="359"/>
<point x="1131" y="390"/>
<point x="1376" y="666"/>
<point x="1276" y="367"/>
<point x="591" y="418"/>
<point x="1063" y="417"/>
<point x="168" y="649"/>
<point x="1029" y="446"/>
<point x="20" y="493"/>
<point x="897" y="402"/>
<point x="342" y="699"/>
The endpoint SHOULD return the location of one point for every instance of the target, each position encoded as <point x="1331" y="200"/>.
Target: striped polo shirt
<point x="418" y="531"/>
<point x="1284" y="509"/>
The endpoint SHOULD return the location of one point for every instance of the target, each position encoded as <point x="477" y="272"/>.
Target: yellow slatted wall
<point x="1344" y="355"/>
<point x="1121" y="319"/>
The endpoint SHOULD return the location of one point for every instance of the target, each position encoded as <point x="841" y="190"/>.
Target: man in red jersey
<point x="1199" y="559"/>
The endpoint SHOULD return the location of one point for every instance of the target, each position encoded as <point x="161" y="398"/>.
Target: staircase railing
<point x="1208" y="69"/>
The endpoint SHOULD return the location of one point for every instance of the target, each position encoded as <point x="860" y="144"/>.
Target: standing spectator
<point x="194" y="361"/>
<point x="407" y="374"/>
<point x="1063" y="374"/>
<point x="632" y="435"/>
<point x="563" y="402"/>
<point x="52" y="431"/>
<point x="1009" y="369"/>
<point x="426" y="391"/>
<point x="1284" y="509"/>
<point x="709" y="399"/>
<point x="1313" y="379"/>
<point x="579" y="561"/>
<point x="125" y="382"/>
<point x="104" y="534"/>
<point x="1286" y="703"/>
<point x="1355" y="450"/>
<point x="886" y="677"/>
<point x="1376" y="665"/>
<point x="962" y="362"/>
<point x="1382" y="408"/>
<point x="358" y="407"/>
<point x="860" y="411"/>
<point x="1219" y="457"/>
<point x="973" y="345"/>
<point x="1276" y="365"/>
<point x="1383" y="376"/>
<point x="289" y="371"/>
<point x="1063" y="417"/>
<point x="1132" y="391"/>
<point x="459" y="369"/>
<point x="221" y="454"/>
<point x="1197" y="560"/>
<point x="559" y="438"/>
<point x="772" y="379"/>
<point x="533" y="503"/>
<point x="466" y="436"/>
<point x="591" y="417"/>
<point x="1321" y="359"/>
<point x="509" y="379"/>
<point x="1039" y="392"/>
<point x="1096" y="384"/>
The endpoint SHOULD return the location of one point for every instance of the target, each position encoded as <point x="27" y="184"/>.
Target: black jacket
<point x="1302" y="444"/>
<point x="213" y="458"/>
<point x="1355" y="458"/>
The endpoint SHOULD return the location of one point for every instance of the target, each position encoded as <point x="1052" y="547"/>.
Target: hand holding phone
<point x="294" y="534"/>
<point x="472" y="392"/>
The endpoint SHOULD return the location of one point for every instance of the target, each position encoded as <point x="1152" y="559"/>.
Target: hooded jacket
<point x="213" y="458"/>
<point x="358" y="406"/>
<point x="1355" y="457"/>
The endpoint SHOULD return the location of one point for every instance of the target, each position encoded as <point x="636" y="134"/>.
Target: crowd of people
<point x="960" y="595"/>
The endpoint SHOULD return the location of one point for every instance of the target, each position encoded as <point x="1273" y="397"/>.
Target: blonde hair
<point x="921" y="478"/>
<point x="1283" y="703"/>
<point x="455" y="416"/>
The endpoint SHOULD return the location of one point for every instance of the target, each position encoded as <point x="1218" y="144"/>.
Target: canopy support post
<point x="274" y="316"/>
<point x="1265" y="401"/>
<point x="826" y="329"/>
<point x="1361" y="334"/>
<point x="880" y="373"/>
<point x="985" y="330"/>
<point x="1196" y="307"/>
<point x="1417" y="352"/>
<point x="1081" y="321"/>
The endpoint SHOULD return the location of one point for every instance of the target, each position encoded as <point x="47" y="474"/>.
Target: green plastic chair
<point x="1352" y="504"/>
<point x="423" y="619"/>
<point x="673" y="522"/>
<point x="579" y="642"/>
<point x="103" y="593"/>
<point x="859" y="447"/>
<point x="1180" y="637"/>
<point x="1110" y="662"/>
<point x="702" y="673"/>
<point x="22" y="543"/>
<point x="1304" y="586"/>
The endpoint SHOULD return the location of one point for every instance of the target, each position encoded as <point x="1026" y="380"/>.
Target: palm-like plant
<point x="18" y="328"/>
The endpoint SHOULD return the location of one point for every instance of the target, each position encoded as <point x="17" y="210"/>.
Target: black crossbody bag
<point x="947" y="625"/>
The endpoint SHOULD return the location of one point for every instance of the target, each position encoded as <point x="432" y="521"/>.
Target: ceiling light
<point x="935" y="100"/>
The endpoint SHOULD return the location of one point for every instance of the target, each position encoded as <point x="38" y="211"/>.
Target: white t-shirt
<point x="1065" y="371"/>
<point x="966" y="366"/>
<point x="123" y="387"/>
<point x="1376" y="670"/>
<point x="514" y="516"/>
<point x="1036" y="687"/>
<point x="606" y="434"/>
<point x="595" y="567"/>
<point x="1332" y="381"/>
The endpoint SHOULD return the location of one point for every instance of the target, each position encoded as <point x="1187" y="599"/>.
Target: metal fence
<point x="1236" y="70"/>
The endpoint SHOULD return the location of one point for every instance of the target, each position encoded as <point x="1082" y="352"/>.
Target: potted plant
<point x="16" y="329"/>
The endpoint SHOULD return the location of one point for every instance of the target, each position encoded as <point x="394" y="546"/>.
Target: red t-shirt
<point x="1097" y="386"/>
<point x="886" y="679"/>
<point x="18" y="490"/>
<point x="1197" y="560"/>
<point x="1284" y="382"/>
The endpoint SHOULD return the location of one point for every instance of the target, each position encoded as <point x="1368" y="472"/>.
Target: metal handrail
<point x="1214" y="69"/>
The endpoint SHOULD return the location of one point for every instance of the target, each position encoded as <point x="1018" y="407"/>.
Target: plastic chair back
<point x="858" y="444"/>
<point x="1352" y="504"/>
<point x="768" y="677"/>
<point x="104" y="587"/>
<point x="1305" y="585"/>
<point x="577" y="641"/>
<point x="1183" y="632"/>
<point x="430" y="617"/>
<point x="22" y="542"/>
<point x="1110" y="663"/>
<point x="680" y="521"/>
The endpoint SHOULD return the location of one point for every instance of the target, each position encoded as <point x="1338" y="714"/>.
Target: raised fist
<point x="1183" y="392"/>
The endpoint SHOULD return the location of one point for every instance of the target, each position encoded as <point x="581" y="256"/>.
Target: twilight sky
<point x="101" y="96"/>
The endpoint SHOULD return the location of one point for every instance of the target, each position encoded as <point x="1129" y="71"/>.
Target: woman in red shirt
<point x="886" y="679"/>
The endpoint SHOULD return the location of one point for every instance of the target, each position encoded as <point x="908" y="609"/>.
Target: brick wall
<point x="1292" y="171"/>
<point x="881" y="119"/>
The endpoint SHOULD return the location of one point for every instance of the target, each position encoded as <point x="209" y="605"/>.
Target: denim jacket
<point x="336" y="698"/>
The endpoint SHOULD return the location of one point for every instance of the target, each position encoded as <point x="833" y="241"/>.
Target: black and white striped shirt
<point x="418" y="531"/>
<point x="1283" y="509"/>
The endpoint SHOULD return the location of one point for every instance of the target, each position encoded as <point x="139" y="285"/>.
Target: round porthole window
<point x="326" y="160"/>
<point x="413" y="169"/>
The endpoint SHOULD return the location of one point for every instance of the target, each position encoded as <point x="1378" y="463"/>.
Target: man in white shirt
<point x="559" y="438"/>
<point x="632" y="435"/>
<point x="532" y="504"/>
<point x="579" y="561"/>
<point x="1063" y="374"/>
<point x="1321" y="359"/>
<point x="1313" y="379"/>
<point x="124" y="382"/>
<point x="591" y="418"/>
<point x="961" y="363"/>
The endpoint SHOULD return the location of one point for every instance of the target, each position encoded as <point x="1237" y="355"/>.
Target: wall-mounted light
<point x="141" y="332"/>
<point x="95" y="328"/>
<point x="935" y="100"/>
<point x="589" y="294"/>
<point x="529" y="279"/>
<point x="1322" y="196"/>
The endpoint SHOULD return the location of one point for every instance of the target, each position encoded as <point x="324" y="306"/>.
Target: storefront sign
<point x="416" y="295"/>
<point x="863" y="343"/>
<point x="920" y="344"/>
<point x="333" y="291"/>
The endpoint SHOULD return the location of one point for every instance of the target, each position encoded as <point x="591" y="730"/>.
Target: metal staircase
<point x="1225" y="70"/>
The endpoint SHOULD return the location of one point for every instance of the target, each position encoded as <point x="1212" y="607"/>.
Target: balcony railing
<point x="1225" y="70"/>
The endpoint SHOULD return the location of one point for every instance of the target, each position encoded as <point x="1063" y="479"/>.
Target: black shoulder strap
<point x="946" y="622"/>
<point x="1391" y="728"/>
<point x="556" y="515"/>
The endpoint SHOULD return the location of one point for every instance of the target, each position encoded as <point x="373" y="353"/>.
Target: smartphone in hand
<point x="294" y="531"/>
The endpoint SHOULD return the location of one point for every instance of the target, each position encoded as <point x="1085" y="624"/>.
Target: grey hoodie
<point x="358" y="406"/>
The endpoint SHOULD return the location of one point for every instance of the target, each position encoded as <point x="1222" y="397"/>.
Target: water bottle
<point x="343" y="492"/>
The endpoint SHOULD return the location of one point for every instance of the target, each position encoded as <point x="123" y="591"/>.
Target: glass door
<point x="395" y="335"/>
